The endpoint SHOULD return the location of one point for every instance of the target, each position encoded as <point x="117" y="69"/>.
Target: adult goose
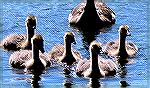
<point x="120" y="47"/>
<point x="32" y="60"/>
<point x="64" y="53"/>
<point x="15" y="42"/>
<point x="92" y="13"/>
<point x="96" y="67"/>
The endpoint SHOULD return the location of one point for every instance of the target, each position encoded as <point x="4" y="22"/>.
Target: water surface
<point x="52" y="23"/>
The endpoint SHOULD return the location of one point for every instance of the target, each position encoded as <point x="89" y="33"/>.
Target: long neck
<point x="30" y="33"/>
<point x="94" y="64"/>
<point x="90" y="4"/>
<point x="122" y="47"/>
<point x="67" y="47"/>
<point x="35" y="53"/>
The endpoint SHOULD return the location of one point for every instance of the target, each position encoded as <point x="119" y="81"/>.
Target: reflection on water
<point x="88" y="37"/>
<point x="123" y="73"/>
<point x="67" y="71"/>
<point x="68" y="81"/>
<point x="34" y="81"/>
<point x="124" y="84"/>
<point x="90" y="33"/>
<point x="94" y="83"/>
<point x="122" y="61"/>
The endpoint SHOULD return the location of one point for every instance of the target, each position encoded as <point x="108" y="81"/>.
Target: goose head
<point x="95" y="48"/>
<point x="124" y="30"/>
<point x="30" y="22"/>
<point x="69" y="38"/>
<point x="37" y="42"/>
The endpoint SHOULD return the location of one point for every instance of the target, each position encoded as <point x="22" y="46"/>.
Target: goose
<point x="96" y="67"/>
<point x="64" y="53"/>
<point x="16" y="42"/>
<point x="31" y="60"/>
<point x="92" y="12"/>
<point x="120" y="47"/>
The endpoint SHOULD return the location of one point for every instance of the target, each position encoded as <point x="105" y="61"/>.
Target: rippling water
<point x="52" y="23"/>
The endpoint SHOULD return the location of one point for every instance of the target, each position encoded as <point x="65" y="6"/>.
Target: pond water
<point x="52" y="23"/>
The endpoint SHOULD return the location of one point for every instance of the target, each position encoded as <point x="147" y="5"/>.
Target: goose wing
<point x="111" y="47"/>
<point x="82" y="66"/>
<point x="18" y="58"/>
<point x="76" y="13"/>
<point x="56" y="52"/>
<point x="131" y="48"/>
<point x="104" y="12"/>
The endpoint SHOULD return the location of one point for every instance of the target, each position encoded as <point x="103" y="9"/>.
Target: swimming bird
<point x="96" y="66"/>
<point x="16" y="42"/>
<point x="31" y="60"/>
<point x="91" y="13"/>
<point x="120" y="47"/>
<point x="65" y="53"/>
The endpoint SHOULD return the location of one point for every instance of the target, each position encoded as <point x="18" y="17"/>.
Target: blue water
<point x="52" y="23"/>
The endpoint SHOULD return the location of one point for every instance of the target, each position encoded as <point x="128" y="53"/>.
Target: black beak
<point x="42" y="50"/>
<point x="41" y="47"/>
<point x="128" y="33"/>
<point x="74" y="42"/>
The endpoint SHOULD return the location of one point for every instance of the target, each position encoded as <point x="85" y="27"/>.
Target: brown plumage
<point x="121" y="47"/>
<point x="32" y="60"/>
<point x="15" y="42"/>
<point x="64" y="53"/>
<point x="96" y="66"/>
<point x="101" y="15"/>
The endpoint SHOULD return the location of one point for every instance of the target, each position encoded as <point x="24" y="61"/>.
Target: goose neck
<point x="122" y="43"/>
<point x="94" y="62"/>
<point x="90" y="1"/>
<point x="90" y="4"/>
<point x="67" y="47"/>
<point x="30" y="33"/>
<point x="35" y="53"/>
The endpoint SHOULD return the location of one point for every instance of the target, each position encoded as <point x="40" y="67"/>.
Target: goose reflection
<point x="90" y="34"/>
<point x="68" y="81"/>
<point x="88" y="37"/>
<point x="35" y="80"/>
<point x="122" y="61"/>
<point x="123" y="73"/>
<point x="94" y="83"/>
